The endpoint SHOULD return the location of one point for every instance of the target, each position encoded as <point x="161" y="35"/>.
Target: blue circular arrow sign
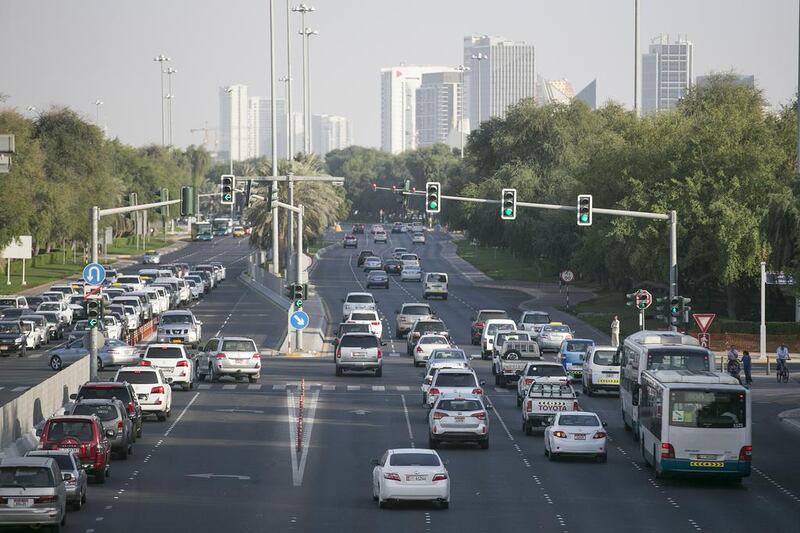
<point x="299" y="320"/>
<point x="94" y="274"/>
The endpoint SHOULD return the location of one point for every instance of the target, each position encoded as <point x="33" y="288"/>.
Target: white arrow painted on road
<point x="228" y="476"/>
<point x="253" y="411"/>
<point x="310" y="407"/>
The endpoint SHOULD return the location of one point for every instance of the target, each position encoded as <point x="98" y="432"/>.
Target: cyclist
<point x="781" y="356"/>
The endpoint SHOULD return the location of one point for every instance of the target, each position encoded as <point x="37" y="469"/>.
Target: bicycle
<point x="782" y="373"/>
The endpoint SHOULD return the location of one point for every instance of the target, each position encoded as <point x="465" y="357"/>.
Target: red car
<point x="350" y="241"/>
<point x="85" y="435"/>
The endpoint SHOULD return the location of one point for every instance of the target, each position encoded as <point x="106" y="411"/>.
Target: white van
<point x="490" y="329"/>
<point x="600" y="370"/>
<point x="435" y="285"/>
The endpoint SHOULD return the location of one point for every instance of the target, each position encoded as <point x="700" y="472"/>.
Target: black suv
<point x="363" y="255"/>
<point x="107" y="390"/>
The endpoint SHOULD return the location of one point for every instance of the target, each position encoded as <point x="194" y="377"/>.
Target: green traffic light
<point x="584" y="218"/>
<point x="508" y="212"/>
<point x="92" y="323"/>
<point x="433" y="205"/>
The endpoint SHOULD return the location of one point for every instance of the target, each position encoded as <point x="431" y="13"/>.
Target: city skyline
<point x="126" y="80"/>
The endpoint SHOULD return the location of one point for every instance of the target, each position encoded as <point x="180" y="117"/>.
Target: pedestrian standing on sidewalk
<point x="733" y="355"/>
<point x="615" y="331"/>
<point x="746" y="364"/>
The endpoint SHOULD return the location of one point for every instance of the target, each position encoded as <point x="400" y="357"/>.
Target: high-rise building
<point x="233" y="123"/>
<point x="264" y="121"/>
<point x="329" y="132"/>
<point x="254" y="127"/>
<point x="506" y="76"/>
<point x="439" y="108"/>
<point x="398" y="106"/>
<point x="667" y="73"/>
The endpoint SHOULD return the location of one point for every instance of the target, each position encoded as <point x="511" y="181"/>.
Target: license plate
<point x="167" y="370"/>
<point x="359" y="354"/>
<point x="177" y="341"/>
<point x="20" y="502"/>
<point x="460" y="419"/>
<point x="580" y="437"/>
<point x="4" y="348"/>
<point x="411" y="477"/>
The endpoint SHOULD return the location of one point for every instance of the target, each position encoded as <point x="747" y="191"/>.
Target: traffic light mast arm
<point x="141" y="207"/>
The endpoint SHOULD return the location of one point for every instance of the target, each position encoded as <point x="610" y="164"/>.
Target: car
<point x="529" y="319"/>
<point x="76" y="482"/>
<point x="151" y="257"/>
<point x="376" y="228"/>
<point x="34" y="301"/>
<point x="127" y="314"/>
<point x="490" y="329"/>
<point x="12" y="338"/>
<point x="55" y="323"/>
<point x="571" y="354"/>
<point x="398" y="252"/>
<point x="152" y="389"/>
<point x="461" y="382"/>
<point x="133" y="281"/>
<point x="576" y="434"/>
<point x="448" y="358"/>
<point x="552" y="335"/>
<point x="377" y="278"/>
<point x="417" y="227"/>
<point x="350" y="241"/>
<point x="220" y="268"/>
<point x="237" y="357"/>
<point x="362" y="256"/>
<point x="35" y="334"/>
<point x="60" y="307"/>
<point x="397" y="227"/>
<point x="423" y="326"/>
<point x="113" y="352"/>
<point x="181" y="327"/>
<point x="238" y="231"/>
<point x="411" y="273"/>
<point x="81" y="328"/>
<point x="418" y="238"/>
<point x="358" y="229"/>
<point x="435" y="285"/>
<point x="345" y="327"/>
<point x="478" y="321"/>
<point x="123" y="392"/>
<point x="410" y="313"/>
<point x="370" y="318"/>
<point x="372" y="263"/>
<point x="18" y="302"/>
<point x="539" y="372"/>
<point x="410" y="260"/>
<point x="393" y="266"/>
<point x="113" y="327"/>
<point x="380" y="236"/>
<point x="425" y="345"/>
<point x="359" y="352"/>
<point x="457" y="419"/>
<point x="173" y="361"/>
<point x="196" y="288"/>
<point x="84" y="434"/>
<point x="113" y="417"/>
<point x="410" y="474"/>
<point x="33" y="492"/>
<point x="357" y="301"/>
<point x="601" y="370"/>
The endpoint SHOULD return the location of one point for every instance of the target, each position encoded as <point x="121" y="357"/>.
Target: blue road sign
<point x="94" y="274"/>
<point x="299" y="320"/>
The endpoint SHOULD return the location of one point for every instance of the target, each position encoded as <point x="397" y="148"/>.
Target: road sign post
<point x="705" y="339"/>
<point x="567" y="277"/>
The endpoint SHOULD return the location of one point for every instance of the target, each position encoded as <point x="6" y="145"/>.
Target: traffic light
<point x="94" y="312"/>
<point x="299" y="293"/>
<point x="686" y="309"/>
<point x="675" y="306"/>
<point x="433" y="197"/>
<point x="187" y="201"/>
<point x="272" y="194"/>
<point x="508" y="207"/>
<point x="584" y="209"/>
<point x="163" y="196"/>
<point x="631" y="297"/>
<point x="247" y="190"/>
<point x="227" y="183"/>
<point x="661" y="307"/>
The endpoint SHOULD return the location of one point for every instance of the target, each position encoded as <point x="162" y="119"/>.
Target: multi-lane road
<point x="228" y="460"/>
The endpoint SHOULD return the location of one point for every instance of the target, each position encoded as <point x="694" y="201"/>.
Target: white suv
<point x="181" y="327"/>
<point x="173" y="361"/>
<point x="357" y="301"/>
<point x="370" y="318"/>
<point x="151" y="387"/>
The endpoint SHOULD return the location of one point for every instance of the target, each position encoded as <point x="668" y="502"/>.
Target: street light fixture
<point x="480" y="56"/>
<point x="306" y="33"/>
<point x="97" y="104"/>
<point x="161" y="59"/>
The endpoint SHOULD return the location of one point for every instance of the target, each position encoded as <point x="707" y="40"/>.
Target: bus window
<point x="702" y="409"/>
<point x="659" y="360"/>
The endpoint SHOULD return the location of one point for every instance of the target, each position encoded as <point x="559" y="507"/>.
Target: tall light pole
<point x="274" y="119"/>
<point x="97" y="104"/>
<point x="797" y="158"/>
<point x="462" y="69"/>
<point x="636" y="59"/>
<point x="288" y="84"/>
<point x="480" y="56"/>
<point x="303" y="9"/>
<point x="229" y="90"/>
<point x="169" y="72"/>
<point x="161" y="58"/>
<point x="289" y="136"/>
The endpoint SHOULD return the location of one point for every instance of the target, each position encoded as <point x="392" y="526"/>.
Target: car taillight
<point x="599" y="435"/>
<point x="419" y="349"/>
<point x="433" y="392"/>
<point x="145" y="362"/>
<point x="667" y="451"/>
<point x="220" y="356"/>
<point x="528" y="381"/>
<point x="439" y="477"/>
<point x="392" y="476"/>
<point x="529" y="406"/>
<point x="157" y="390"/>
<point x="478" y="325"/>
<point x="130" y="408"/>
<point x="477" y="391"/>
<point x="338" y="353"/>
<point x="120" y="426"/>
<point x="256" y="356"/>
<point x="376" y="323"/>
<point x="746" y="453"/>
<point x="182" y="362"/>
<point x="45" y="499"/>
<point x="480" y="416"/>
<point x="438" y="415"/>
<point x="560" y="434"/>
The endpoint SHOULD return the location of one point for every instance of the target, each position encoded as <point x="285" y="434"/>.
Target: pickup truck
<point x="543" y="401"/>
<point x="511" y="358"/>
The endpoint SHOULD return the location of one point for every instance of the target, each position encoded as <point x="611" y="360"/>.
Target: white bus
<point x="695" y="423"/>
<point x="654" y="350"/>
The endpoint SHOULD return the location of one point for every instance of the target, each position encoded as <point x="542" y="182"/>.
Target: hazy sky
<point x="72" y="52"/>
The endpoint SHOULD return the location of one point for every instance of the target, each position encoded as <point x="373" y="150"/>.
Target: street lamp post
<point x="169" y="72"/>
<point x="97" y="104"/>
<point x="480" y="56"/>
<point x="288" y="81"/>
<point x="289" y="137"/>
<point x="462" y="69"/>
<point x="303" y="9"/>
<point x="161" y="58"/>
<point x="636" y="59"/>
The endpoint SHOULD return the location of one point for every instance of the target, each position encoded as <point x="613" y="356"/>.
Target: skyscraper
<point x="667" y="73"/>
<point x="439" y="108"/>
<point x="233" y="123"/>
<point x="263" y="111"/>
<point x="398" y="106"/>
<point x="329" y="132"/>
<point x="502" y="79"/>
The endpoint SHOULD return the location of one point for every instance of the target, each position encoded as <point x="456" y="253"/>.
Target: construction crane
<point x="206" y="137"/>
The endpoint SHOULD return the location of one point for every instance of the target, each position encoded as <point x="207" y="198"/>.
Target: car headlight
<point x="18" y="340"/>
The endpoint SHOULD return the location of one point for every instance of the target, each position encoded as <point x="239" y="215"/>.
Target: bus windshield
<point x="707" y="409"/>
<point x="668" y="360"/>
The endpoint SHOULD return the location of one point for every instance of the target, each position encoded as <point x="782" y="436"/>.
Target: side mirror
<point x="383" y="343"/>
<point x="73" y="396"/>
<point x="482" y="383"/>
<point x="110" y="433"/>
<point x="374" y="462"/>
<point x="605" y="424"/>
<point x="66" y="476"/>
<point x="490" y="407"/>
<point x="199" y="322"/>
<point x="169" y="381"/>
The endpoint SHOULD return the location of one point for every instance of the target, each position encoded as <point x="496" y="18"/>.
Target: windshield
<point x="359" y="341"/>
<point x="436" y="278"/>
<point x="536" y="319"/>
<point x="489" y="315"/>
<point x="459" y="405"/>
<point x="558" y="329"/>
<point x="666" y="360"/>
<point x="164" y="352"/>
<point x="26" y="476"/>
<point x="577" y="346"/>
<point x="546" y="371"/>
<point x="9" y="328"/>
<point x="419" y="310"/>
<point x="578" y="420"/>
<point x="456" y="380"/>
<point x="449" y="355"/>
<point x="128" y="279"/>
<point x="433" y="340"/>
<point x="51" y="317"/>
<point x="422" y="327"/>
<point x="8" y="301"/>
<point x="176" y="319"/>
<point x="360" y="299"/>
<point x="605" y="358"/>
<point x="707" y="409"/>
<point x="353" y="328"/>
<point x="502" y="337"/>
<point x="414" y="459"/>
<point x="63" y="461"/>
<point x="494" y="328"/>
<point x="78" y="429"/>
<point x="104" y="393"/>
<point x="104" y="412"/>
<point x="409" y="257"/>
<point x="239" y="346"/>
<point x="138" y="377"/>
<point x="363" y="316"/>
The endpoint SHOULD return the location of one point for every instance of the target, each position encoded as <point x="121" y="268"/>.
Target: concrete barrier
<point x="20" y="416"/>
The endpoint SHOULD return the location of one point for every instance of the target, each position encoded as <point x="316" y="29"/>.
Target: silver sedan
<point x="112" y="353"/>
<point x="411" y="273"/>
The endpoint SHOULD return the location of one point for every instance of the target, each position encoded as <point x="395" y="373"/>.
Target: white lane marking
<point x="228" y="387"/>
<point x="299" y="466"/>
<point x="378" y="388"/>
<point x="403" y="388"/>
<point x="329" y="387"/>
<point x="256" y="386"/>
<point x="353" y="387"/>
<point x="500" y="418"/>
<point x="35" y="356"/>
<point x="20" y="389"/>
<point x="204" y="386"/>
<point x="279" y="387"/>
<point x="180" y="416"/>
<point x="408" y="420"/>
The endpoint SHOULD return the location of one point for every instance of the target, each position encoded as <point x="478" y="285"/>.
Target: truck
<point x="201" y="231"/>
<point x="512" y="351"/>
<point x="543" y="401"/>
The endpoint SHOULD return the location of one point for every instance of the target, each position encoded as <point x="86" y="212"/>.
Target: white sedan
<point x="426" y="345"/>
<point x="410" y="474"/>
<point x="575" y="433"/>
<point x="411" y="273"/>
<point x="370" y="318"/>
<point x="418" y="238"/>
